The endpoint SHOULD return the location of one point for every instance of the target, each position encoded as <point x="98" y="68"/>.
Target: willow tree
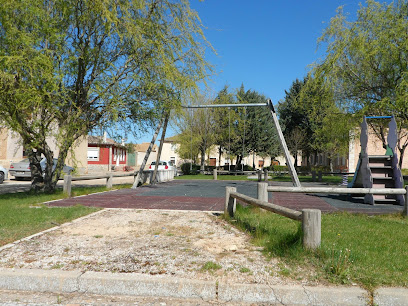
<point x="71" y="65"/>
<point x="366" y="63"/>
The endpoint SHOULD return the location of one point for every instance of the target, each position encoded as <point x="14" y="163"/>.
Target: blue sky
<point x="264" y="44"/>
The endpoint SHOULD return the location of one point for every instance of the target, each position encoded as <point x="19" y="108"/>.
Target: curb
<point x="135" y="284"/>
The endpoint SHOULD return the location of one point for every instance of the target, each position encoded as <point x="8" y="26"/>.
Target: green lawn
<point x="23" y="214"/>
<point x="371" y="251"/>
<point x="335" y="179"/>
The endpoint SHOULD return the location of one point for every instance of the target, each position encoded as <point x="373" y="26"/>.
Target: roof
<point x="99" y="140"/>
<point x="142" y="147"/>
<point x="174" y="138"/>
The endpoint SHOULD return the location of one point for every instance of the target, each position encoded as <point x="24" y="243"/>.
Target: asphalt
<point x="38" y="287"/>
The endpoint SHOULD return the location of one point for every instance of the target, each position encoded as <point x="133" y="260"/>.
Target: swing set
<point x="292" y="170"/>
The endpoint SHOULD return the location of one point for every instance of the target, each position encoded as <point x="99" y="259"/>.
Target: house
<point x="11" y="150"/>
<point x="171" y="146"/>
<point x="140" y="153"/>
<point x="104" y="154"/>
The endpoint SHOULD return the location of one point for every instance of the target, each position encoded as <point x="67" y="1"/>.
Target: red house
<point x="105" y="154"/>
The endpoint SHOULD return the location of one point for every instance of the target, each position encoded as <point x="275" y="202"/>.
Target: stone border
<point x="136" y="284"/>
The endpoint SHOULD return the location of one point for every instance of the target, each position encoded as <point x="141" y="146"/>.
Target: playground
<point x="209" y="195"/>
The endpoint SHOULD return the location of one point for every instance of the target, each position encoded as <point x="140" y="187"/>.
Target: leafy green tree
<point x="366" y="63"/>
<point x="197" y="131"/>
<point x="223" y="118"/>
<point x="260" y="132"/>
<point x="69" y="66"/>
<point x="294" y="121"/>
<point x="310" y="116"/>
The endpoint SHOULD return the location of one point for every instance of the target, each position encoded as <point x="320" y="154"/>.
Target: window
<point x="93" y="153"/>
<point x="173" y="146"/>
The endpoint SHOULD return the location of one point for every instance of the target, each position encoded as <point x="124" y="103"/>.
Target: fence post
<point x="230" y="203"/>
<point x="405" y="212"/>
<point x="263" y="191"/>
<point x="215" y="174"/>
<point x="345" y="180"/>
<point x="266" y="175"/>
<point x="313" y="176"/>
<point x="67" y="185"/>
<point x="109" y="181"/>
<point x="311" y="226"/>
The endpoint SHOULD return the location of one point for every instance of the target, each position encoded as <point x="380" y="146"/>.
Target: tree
<point x="71" y="65"/>
<point x="223" y="118"/>
<point x="197" y="128"/>
<point x="366" y="64"/>
<point x="294" y="120"/>
<point x="260" y="132"/>
<point x="309" y="112"/>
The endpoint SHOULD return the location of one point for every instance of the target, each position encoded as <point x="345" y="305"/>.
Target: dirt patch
<point x="196" y="245"/>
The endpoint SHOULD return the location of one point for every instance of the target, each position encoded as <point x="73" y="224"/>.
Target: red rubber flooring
<point x="129" y="198"/>
<point x="210" y="196"/>
<point x="299" y="201"/>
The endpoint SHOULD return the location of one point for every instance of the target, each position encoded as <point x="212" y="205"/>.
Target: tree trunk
<point x="202" y="163"/>
<point x="37" y="179"/>
<point x="49" y="187"/>
<point x="219" y="157"/>
<point x="239" y="159"/>
<point x="166" y="121"/>
<point x="401" y="155"/>
<point x="142" y="166"/>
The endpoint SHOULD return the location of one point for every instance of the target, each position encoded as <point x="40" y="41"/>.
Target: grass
<point x="210" y="266"/>
<point x="368" y="250"/>
<point x="210" y="177"/>
<point x="23" y="214"/>
<point x="335" y="179"/>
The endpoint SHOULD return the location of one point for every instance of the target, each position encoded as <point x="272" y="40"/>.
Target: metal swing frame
<point x="292" y="170"/>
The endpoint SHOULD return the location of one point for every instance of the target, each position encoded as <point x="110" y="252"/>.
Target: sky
<point x="264" y="44"/>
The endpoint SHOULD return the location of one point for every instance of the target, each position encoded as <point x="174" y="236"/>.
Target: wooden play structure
<point x="379" y="171"/>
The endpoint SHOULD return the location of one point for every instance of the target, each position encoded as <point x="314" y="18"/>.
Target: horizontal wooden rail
<point x="283" y="211"/>
<point x="310" y="218"/>
<point x="105" y="176"/>
<point x="337" y="190"/>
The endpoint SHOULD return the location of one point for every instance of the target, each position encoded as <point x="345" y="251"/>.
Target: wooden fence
<point x="336" y="190"/>
<point x="162" y="176"/>
<point x="310" y="218"/>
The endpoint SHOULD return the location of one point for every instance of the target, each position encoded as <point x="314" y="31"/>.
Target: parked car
<point x="163" y="165"/>
<point x="3" y="174"/>
<point x="22" y="170"/>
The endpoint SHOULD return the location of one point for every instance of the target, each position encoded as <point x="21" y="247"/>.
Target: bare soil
<point x="195" y="245"/>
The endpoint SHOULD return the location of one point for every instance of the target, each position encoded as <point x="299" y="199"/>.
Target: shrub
<point x="185" y="168"/>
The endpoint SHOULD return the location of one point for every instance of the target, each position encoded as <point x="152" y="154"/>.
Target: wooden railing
<point x="336" y="190"/>
<point x="162" y="176"/>
<point x="310" y="218"/>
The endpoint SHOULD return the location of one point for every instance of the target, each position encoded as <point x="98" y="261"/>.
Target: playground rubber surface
<point x="208" y="195"/>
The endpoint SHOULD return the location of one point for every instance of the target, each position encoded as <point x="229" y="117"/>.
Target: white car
<point x="163" y="165"/>
<point x="3" y="174"/>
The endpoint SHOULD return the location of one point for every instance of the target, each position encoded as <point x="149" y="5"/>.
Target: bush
<point x="277" y="168"/>
<point x="185" y="168"/>
<point x="248" y="168"/>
